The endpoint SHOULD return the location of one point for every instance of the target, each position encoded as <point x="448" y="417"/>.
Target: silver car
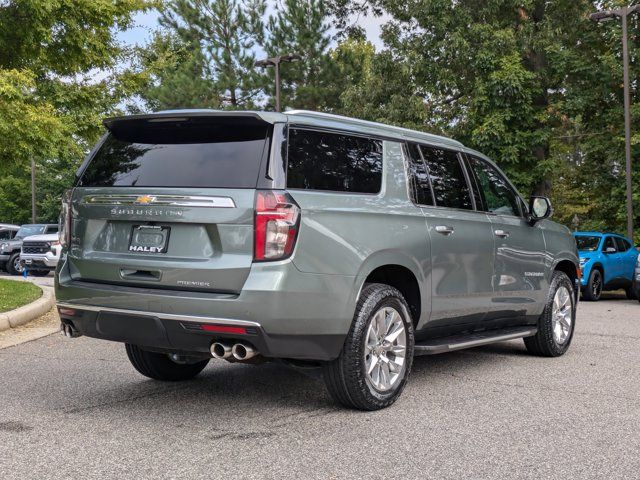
<point x="319" y="240"/>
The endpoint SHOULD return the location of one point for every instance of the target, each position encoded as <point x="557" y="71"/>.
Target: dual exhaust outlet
<point x="239" y="351"/>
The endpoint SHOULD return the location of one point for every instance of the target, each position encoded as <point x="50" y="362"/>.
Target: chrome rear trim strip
<point x="164" y="316"/>
<point x="160" y="200"/>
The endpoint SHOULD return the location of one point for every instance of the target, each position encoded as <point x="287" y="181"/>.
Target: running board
<point x="434" y="346"/>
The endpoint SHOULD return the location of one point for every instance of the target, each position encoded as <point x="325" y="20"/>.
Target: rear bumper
<point x="286" y="313"/>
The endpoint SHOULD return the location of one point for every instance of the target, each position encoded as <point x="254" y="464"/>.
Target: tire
<point x="549" y="341"/>
<point x="631" y="293"/>
<point x="346" y="377"/>
<point x="39" y="273"/>
<point x="593" y="289"/>
<point x="13" y="264"/>
<point x="160" y="367"/>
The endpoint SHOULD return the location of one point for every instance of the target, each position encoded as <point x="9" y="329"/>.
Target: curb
<point x="29" y="312"/>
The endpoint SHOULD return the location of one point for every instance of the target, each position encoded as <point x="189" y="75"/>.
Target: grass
<point x="14" y="294"/>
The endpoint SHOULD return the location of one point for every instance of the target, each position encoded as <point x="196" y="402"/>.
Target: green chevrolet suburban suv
<point x="310" y="238"/>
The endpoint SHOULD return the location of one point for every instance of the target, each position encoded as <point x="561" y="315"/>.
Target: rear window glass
<point x="449" y="184"/>
<point x="194" y="152"/>
<point x="419" y="177"/>
<point x="334" y="162"/>
<point x="622" y="244"/>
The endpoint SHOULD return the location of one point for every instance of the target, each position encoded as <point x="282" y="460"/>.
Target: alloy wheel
<point x="562" y="315"/>
<point x="385" y="350"/>
<point x="17" y="266"/>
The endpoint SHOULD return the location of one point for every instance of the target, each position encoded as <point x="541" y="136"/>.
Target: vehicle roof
<point x="8" y="225"/>
<point x="599" y="234"/>
<point x="303" y="117"/>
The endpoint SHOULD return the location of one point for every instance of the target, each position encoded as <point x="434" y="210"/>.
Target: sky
<point x="146" y="23"/>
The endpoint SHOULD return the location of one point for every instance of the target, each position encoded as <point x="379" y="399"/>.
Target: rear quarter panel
<point x="353" y="234"/>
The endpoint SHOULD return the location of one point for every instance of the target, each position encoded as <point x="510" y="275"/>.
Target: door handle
<point x="444" y="230"/>
<point x="501" y="233"/>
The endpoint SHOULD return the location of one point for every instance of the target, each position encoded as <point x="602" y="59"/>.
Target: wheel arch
<point x="399" y="271"/>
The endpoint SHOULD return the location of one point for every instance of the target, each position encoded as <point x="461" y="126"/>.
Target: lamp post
<point x="275" y="62"/>
<point x="606" y="16"/>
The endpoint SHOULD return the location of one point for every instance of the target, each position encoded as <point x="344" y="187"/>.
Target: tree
<point x="533" y="84"/>
<point x="302" y="27"/>
<point x="226" y="31"/>
<point x="51" y="104"/>
<point x="177" y="74"/>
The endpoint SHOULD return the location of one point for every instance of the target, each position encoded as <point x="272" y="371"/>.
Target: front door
<point x="519" y="279"/>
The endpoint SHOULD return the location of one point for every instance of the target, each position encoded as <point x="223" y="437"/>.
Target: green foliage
<point x="14" y="294"/>
<point x="176" y="75"/>
<point x="221" y="35"/>
<point x="51" y="106"/>
<point x="533" y="84"/>
<point x="302" y="27"/>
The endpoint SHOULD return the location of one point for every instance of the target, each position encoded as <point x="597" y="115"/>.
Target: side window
<point x="333" y="162"/>
<point x="449" y="184"/>
<point x="621" y="244"/>
<point x="498" y="195"/>
<point x="609" y="243"/>
<point x="52" y="229"/>
<point x="5" y="235"/>
<point x="475" y="188"/>
<point x="418" y="177"/>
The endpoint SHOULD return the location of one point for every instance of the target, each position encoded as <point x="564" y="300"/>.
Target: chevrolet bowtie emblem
<point x="145" y="199"/>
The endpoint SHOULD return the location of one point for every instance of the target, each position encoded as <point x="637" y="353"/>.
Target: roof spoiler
<point x="185" y="115"/>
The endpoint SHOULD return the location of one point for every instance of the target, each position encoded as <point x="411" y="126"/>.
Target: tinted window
<point x="622" y="244"/>
<point x="52" y="229"/>
<point x="335" y="162"/>
<point x="588" y="243"/>
<point x="418" y="177"/>
<point x="5" y="235"/>
<point x="449" y="185"/>
<point x="609" y="243"/>
<point x="498" y="195"/>
<point x="196" y="152"/>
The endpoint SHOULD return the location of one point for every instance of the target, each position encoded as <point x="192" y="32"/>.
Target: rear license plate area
<point x="149" y="239"/>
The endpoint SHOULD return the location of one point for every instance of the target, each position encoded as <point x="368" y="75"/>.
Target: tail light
<point x="276" y="225"/>
<point x="65" y="219"/>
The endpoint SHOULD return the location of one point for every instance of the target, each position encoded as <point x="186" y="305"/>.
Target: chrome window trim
<point x="163" y="316"/>
<point x="160" y="200"/>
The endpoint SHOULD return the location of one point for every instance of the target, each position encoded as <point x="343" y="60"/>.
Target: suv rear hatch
<point x="168" y="202"/>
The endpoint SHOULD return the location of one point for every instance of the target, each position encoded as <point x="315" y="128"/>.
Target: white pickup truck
<point x="40" y="254"/>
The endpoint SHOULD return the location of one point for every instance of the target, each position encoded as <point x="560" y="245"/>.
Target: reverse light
<point x="277" y="219"/>
<point x="64" y="234"/>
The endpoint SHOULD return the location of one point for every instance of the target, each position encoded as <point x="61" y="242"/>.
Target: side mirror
<point x="539" y="209"/>
<point x="610" y="250"/>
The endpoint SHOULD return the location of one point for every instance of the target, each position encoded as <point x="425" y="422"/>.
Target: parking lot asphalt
<point x="77" y="409"/>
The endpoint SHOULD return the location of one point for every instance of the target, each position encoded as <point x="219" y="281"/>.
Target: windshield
<point x="588" y="243"/>
<point x="212" y="153"/>
<point x="28" y="230"/>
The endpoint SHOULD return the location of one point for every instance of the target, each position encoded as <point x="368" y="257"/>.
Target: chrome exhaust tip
<point x="220" y="350"/>
<point x="242" y="351"/>
<point x="67" y="330"/>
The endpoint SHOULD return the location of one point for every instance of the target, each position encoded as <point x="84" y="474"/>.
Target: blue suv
<point x="607" y="261"/>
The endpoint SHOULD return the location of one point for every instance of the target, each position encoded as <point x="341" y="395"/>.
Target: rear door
<point x="628" y="257"/>
<point x="519" y="278"/>
<point x="168" y="203"/>
<point x="460" y="237"/>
